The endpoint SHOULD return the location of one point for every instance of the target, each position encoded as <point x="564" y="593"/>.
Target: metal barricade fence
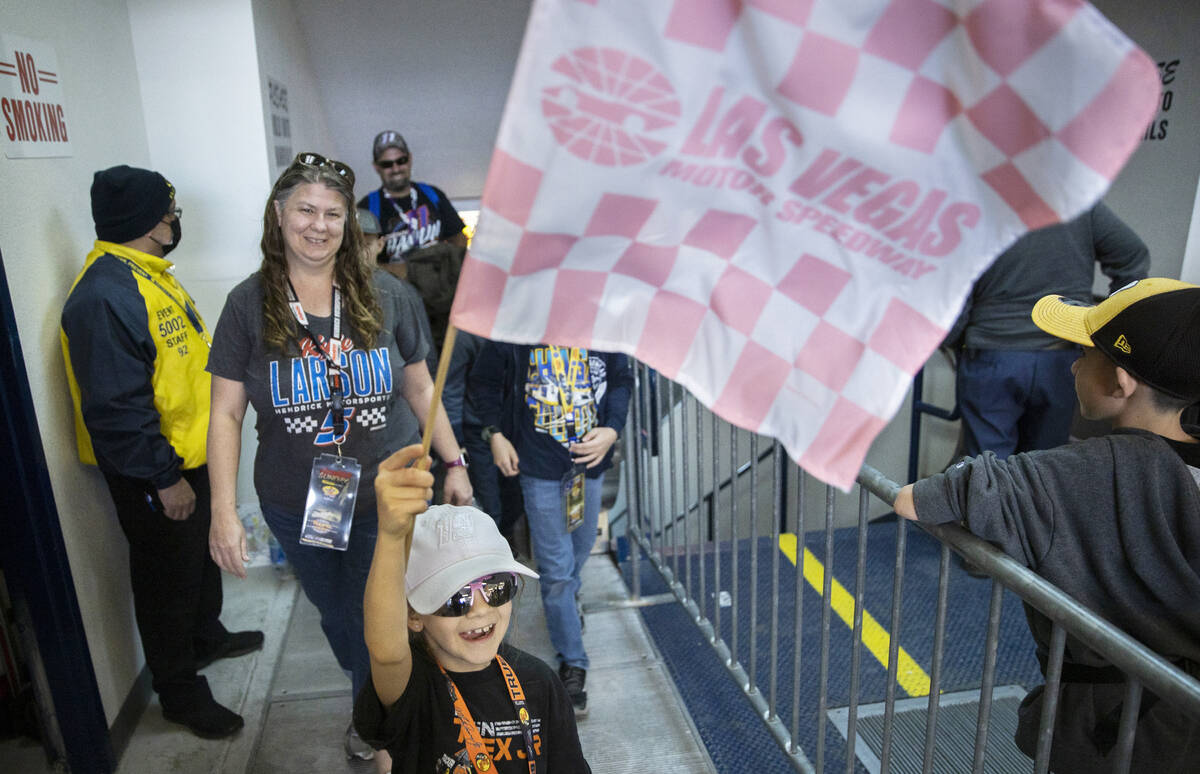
<point x="673" y="461"/>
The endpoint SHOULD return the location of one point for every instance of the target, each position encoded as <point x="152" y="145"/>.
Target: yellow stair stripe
<point x="909" y="674"/>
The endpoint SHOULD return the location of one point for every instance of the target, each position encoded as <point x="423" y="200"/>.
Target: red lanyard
<point x="476" y="754"/>
<point x="332" y="349"/>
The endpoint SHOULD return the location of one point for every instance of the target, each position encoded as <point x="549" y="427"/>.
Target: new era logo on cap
<point x="1123" y="344"/>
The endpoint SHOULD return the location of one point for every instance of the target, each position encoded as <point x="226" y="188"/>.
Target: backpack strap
<point x="375" y="204"/>
<point x="430" y="194"/>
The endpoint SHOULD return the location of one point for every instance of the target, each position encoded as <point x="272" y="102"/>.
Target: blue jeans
<point x="560" y="557"/>
<point x="1016" y="400"/>
<point x="334" y="581"/>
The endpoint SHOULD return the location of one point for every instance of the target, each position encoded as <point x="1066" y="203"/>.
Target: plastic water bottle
<point x="278" y="560"/>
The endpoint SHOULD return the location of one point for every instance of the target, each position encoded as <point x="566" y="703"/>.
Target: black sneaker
<point x="235" y="644"/>
<point x="574" y="678"/>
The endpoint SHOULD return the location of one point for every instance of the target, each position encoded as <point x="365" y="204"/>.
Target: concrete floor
<point x="296" y="701"/>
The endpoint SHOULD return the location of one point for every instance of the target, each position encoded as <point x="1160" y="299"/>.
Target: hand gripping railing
<point x="668" y="492"/>
<point x="1143" y="667"/>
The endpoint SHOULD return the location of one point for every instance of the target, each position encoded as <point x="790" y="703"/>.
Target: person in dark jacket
<point x="135" y="349"/>
<point x="568" y="406"/>
<point x="1014" y="380"/>
<point x="1113" y="521"/>
<point x="498" y="496"/>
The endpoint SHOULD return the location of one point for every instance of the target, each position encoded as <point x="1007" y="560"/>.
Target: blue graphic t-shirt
<point x="290" y="392"/>
<point x="527" y="392"/>
<point x="563" y="387"/>
<point x="559" y="392"/>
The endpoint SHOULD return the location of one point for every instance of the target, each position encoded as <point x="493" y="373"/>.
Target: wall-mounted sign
<point x="1158" y="127"/>
<point x="33" y="120"/>
<point x="281" y="125"/>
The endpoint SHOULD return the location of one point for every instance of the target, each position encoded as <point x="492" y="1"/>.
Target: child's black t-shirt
<point x="421" y="726"/>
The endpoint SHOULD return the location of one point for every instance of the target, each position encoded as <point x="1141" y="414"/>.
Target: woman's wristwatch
<point x="458" y="462"/>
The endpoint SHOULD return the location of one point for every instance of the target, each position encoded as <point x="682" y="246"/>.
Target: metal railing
<point x="687" y="517"/>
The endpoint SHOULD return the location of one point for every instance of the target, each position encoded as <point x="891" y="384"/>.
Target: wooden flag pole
<point x="435" y="403"/>
<point x="439" y="384"/>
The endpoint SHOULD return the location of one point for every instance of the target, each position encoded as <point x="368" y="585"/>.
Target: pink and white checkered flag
<point x="781" y="204"/>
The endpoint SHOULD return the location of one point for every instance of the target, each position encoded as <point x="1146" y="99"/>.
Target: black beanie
<point x="127" y="202"/>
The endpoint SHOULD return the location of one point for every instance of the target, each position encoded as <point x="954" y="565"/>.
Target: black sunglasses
<point x="392" y="163"/>
<point x="317" y="160"/>
<point x="496" y="589"/>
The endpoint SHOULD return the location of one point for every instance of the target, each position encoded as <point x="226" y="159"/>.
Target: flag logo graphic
<point x="609" y="106"/>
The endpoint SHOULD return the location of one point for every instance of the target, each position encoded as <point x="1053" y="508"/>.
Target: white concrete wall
<point x="206" y="133"/>
<point x="283" y="56"/>
<point x="199" y="75"/>
<point x="1190" y="271"/>
<point x="1156" y="191"/>
<point x="45" y="232"/>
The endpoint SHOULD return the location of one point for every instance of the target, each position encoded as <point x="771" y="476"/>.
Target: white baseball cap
<point x="452" y="546"/>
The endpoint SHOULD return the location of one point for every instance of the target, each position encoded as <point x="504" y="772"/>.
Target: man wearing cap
<point x="135" y="350"/>
<point x="412" y="214"/>
<point x="372" y="236"/>
<point x="1113" y="521"/>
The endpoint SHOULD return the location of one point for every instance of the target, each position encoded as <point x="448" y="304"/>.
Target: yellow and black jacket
<point x="135" y="349"/>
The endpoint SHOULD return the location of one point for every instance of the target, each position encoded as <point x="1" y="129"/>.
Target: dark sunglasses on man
<point x="496" y="590"/>
<point x="316" y="160"/>
<point x="389" y="163"/>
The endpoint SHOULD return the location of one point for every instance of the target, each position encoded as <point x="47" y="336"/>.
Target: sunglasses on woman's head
<point x="496" y="589"/>
<point x="317" y="160"/>
<point x="389" y="163"/>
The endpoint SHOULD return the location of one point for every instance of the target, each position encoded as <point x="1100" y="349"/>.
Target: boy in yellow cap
<point x="1113" y="521"/>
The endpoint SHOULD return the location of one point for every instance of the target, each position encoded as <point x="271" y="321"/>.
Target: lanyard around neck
<point x="331" y="351"/>
<point x="476" y="752"/>
<point x="188" y="309"/>
<point x="412" y="207"/>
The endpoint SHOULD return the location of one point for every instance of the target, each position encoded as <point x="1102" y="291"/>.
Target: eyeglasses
<point x="176" y="211"/>
<point x="393" y="163"/>
<point x="496" y="589"/>
<point x="317" y="160"/>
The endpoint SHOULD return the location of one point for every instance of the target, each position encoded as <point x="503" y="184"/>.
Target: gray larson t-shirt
<point x="290" y="392"/>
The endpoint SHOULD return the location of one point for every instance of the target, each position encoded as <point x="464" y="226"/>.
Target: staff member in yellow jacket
<point x="135" y="350"/>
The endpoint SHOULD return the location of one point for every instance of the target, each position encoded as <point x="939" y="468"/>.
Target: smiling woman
<point x="330" y="353"/>
<point x="312" y="221"/>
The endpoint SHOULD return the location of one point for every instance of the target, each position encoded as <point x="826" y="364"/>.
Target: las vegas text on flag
<point x="781" y="204"/>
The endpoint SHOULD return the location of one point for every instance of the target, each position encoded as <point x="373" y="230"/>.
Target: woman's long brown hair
<point x="351" y="274"/>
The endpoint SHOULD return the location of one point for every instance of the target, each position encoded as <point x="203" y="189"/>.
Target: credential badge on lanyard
<point x="573" y="481"/>
<point x="333" y="483"/>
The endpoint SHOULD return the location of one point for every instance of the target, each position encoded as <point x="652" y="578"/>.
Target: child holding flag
<point x="445" y="694"/>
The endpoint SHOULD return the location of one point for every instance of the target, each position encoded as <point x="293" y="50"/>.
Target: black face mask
<point x="176" y="235"/>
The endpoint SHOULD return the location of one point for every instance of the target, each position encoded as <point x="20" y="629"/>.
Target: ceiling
<point x="437" y="72"/>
